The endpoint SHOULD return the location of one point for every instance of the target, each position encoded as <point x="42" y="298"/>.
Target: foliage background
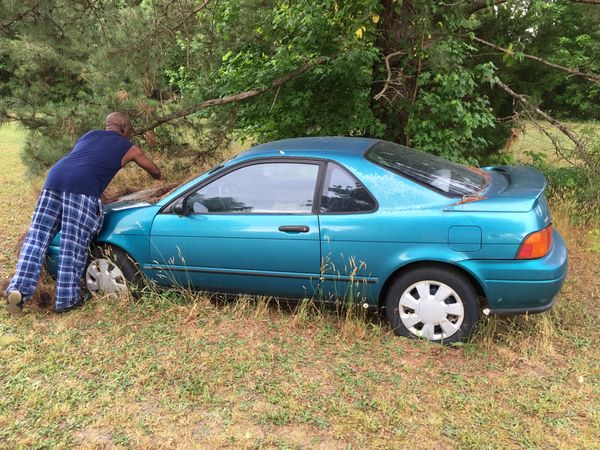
<point x="415" y="72"/>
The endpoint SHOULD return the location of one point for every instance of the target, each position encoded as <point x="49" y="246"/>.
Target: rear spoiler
<point x="521" y="190"/>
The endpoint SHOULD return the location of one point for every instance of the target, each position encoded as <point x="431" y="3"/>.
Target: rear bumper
<point x="522" y="286"/>
<point x="535" y="310"/>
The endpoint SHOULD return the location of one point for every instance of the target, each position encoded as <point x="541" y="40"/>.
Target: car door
<point x="251" y="229"/>
<point x="349" y="255"/>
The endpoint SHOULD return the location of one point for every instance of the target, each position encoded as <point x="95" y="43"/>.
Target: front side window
<point x="261" y="188"/>
<point x="342" y="193"/>
<point x="454" y="180"/>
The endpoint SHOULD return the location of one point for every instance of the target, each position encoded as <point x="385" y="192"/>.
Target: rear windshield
<point x="452" y="179"/>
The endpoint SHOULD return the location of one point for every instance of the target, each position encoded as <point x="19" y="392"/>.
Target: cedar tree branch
<point x="241" y="96"/>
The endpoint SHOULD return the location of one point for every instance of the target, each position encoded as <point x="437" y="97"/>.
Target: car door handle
<point x="294" y="228"/>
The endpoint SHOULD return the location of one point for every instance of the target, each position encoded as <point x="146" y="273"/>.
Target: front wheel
<point x="110" y="271"/>
<point x="435" y="303"/>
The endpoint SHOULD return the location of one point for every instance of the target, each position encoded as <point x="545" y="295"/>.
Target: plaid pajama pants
<point x="78" y="217"/>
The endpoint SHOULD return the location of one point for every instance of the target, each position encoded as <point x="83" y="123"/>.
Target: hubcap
<point x="104" y="277"/>
<point x="431" y="309"/>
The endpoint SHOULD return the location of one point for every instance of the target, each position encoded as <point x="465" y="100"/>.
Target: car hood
<point x="140" y="198"/>
<point x="120" y="205"/>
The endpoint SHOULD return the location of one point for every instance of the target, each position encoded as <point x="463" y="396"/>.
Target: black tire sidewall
<point x="458" y="282"/>
<point x="129" y="268"/>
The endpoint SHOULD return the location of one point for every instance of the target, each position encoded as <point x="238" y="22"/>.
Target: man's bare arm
<point x="138" y="156"/>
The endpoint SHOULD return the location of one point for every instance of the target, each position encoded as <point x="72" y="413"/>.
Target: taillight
<point x="536" y="244"/>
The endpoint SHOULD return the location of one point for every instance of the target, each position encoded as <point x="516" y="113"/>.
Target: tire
<point x="112" y="272"/>
<point x="435" y="303"/>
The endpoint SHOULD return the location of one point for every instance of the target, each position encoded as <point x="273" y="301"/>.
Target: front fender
<point x="129" y="229"/>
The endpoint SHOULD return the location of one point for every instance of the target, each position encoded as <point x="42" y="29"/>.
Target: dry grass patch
<point x="532" y="143"/>
<point x="183" y="370"/>
<point x="16" y="196"/>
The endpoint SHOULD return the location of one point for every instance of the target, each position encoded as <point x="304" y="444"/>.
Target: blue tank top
<point x="90" y="165"/>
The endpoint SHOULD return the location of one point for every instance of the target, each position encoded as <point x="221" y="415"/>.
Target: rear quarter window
<point x="447" y="177"/>
<point x="343" y="193"/>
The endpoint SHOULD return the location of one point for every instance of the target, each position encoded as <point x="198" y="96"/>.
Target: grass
<point x="532" y="144"/>
<point x="179" y="370"/>
<point x="16" y="196"/>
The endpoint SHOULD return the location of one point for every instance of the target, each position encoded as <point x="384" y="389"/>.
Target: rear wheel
<point x="111" y="271"/>
<point x="434" y="303"/>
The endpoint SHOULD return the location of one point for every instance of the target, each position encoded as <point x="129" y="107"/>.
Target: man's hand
<point x="136" y="155"/>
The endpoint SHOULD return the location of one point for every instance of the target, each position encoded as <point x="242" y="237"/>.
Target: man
<point x="70" y="201"/>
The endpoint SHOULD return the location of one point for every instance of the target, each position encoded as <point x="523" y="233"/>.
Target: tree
<point x="195" y="73"/>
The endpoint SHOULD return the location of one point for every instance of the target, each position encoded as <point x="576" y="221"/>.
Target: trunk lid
<point x="511" y="189"/>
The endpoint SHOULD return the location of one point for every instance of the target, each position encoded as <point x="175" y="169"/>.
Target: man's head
<point x="119" y="122"/>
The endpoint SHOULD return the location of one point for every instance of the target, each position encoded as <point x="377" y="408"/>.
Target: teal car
<point x="433" y="242"/>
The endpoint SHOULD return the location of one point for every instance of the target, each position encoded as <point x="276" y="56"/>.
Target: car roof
<point x="347" y="145"/>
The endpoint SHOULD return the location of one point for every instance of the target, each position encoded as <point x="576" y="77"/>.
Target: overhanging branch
<point x="588" y="2"/>
<point x="579" y="147"/>
<point x="594" y="78"/>
<point x="20" y="16"/>
<point x="241" y="96"/>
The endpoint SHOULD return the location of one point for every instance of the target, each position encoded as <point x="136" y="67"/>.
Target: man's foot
<point x="79" y="304"/>
<point x="14" y="302"/>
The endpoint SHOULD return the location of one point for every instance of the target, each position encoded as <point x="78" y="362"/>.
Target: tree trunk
<point x="395" y="87"/>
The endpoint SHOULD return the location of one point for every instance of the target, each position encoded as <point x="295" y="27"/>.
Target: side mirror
<point x="179" y="207"/>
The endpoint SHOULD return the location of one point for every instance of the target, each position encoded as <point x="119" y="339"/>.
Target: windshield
<point x="452" y="179"/>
